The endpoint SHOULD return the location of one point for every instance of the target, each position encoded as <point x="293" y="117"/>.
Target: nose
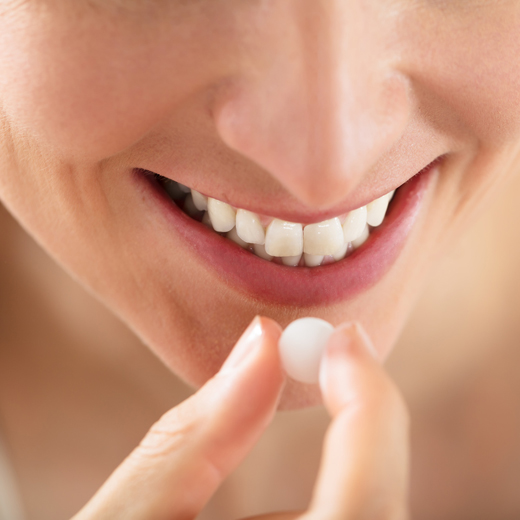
<point x="318" y="100"/>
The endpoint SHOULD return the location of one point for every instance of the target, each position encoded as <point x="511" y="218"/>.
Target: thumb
<point x="187" y="454"/>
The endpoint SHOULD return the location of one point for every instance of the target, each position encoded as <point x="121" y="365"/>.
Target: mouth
<point x="293" y="263"/>
<point x="274" y="240"/>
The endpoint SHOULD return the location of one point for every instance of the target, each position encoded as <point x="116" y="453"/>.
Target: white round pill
<point x="301" y="346"/>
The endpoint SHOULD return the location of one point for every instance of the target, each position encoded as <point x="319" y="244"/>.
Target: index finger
<point x="364" y="468"/>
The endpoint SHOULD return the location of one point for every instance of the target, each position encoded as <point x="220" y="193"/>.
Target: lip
<point x="300" y="286"/>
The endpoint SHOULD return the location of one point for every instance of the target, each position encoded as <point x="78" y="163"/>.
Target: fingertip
<point x="255" y="358"/>
<point x="356" y="339"/>
<point x="272" y="332"/>
<point x="348" y="350"/>
<point x="270" y="326"/>
<point x="269" y="355"/>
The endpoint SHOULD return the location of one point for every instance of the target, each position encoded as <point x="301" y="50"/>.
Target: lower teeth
<point x="195" y="205"/>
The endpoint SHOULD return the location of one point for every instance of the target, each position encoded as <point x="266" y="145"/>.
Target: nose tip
<point x="319" y="149"/>
<point x="312" y="109"/>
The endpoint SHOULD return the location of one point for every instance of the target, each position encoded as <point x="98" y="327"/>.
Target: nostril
<point x="318" y="150"/>
<point x="287" y="151"/>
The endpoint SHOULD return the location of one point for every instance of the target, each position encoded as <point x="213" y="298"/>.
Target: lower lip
<point x="300" y="286"/>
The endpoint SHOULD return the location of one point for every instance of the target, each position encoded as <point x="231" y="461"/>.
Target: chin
<point x="195" y="348"/>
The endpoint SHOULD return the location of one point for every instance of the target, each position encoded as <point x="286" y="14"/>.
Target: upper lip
<point x="288" y="208"/>
<point x="304" y="216"/>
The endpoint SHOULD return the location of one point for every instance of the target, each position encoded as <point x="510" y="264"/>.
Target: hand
<point x="189" y="452"/>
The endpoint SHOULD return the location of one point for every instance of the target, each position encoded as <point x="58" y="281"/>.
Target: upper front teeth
<point x="331" y="239"/>
<point x="284" y="238"/>
<point x="324" y="238"/>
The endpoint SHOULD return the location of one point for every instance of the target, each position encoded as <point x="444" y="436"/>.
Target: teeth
<point x="312" y="260"/>
<point x="190" y="208"/>
<point x="319" y="243"/>
<point x="355" y="224"/>
<point x="233" y="235"/>
<point x="206" y="220"/>
<point x="361" y="239"/>
<point x="292" y="261"/>
<point x="341" y="253"/>
<point x="222" y="215"/>
<point x="259" y="250"/>
<point x="376" y="210"/>
<point x="284" y="238"/>
<point x="324" y="238"/>
<point x="249" y="227"/>
<point x="200" y="201"/>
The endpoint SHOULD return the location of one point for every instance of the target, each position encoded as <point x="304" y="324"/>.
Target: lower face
<point x="188" y="265"/>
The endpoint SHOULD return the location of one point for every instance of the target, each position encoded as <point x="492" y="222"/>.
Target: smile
<point x="288" y="243"/>
<point x="283" y="262"/>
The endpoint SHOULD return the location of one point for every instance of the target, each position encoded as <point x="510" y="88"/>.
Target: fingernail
<point x="244" y="347"/>
<point x="333" y="365"/>
<point x="349" y="339"/>
<point x="357" y="339"/>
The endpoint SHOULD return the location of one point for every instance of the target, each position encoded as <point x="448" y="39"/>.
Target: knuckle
<point x="169" y="434"/>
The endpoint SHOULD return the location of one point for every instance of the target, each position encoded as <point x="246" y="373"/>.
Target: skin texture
<point x="281" y="109"/>
<point x="316" y="106"/>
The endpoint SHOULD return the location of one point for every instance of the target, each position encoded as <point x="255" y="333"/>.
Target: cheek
<point x="76" y="101"/>
<point x="93" y="87"/>
<point x="463" y="64"/>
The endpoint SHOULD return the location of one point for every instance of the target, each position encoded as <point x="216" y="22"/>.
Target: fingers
<point x="193" y="447"/>
<point x="364" y="469"/>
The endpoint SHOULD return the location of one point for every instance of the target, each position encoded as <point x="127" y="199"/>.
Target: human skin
<point x="187" y="454"/>
<point x="265" y="105"/>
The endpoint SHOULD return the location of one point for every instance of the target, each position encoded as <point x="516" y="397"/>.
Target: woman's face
<point x="300" y="110"/>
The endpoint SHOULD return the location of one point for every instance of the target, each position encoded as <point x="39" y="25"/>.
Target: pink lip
<point x="301" y="286"/>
